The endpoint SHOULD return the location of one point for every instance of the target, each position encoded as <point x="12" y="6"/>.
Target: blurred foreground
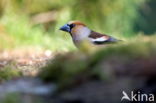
<point x="98" y="77"/>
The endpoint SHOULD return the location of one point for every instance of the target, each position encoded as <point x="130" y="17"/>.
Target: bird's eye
<point x="71" y="25"/>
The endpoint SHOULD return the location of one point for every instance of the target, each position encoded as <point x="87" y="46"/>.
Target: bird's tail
<point x="111" y="39"/>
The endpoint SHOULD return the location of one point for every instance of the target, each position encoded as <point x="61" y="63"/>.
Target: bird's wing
<point x="98" y="38"/>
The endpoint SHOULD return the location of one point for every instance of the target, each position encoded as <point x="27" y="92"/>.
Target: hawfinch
<point x="80" y="32"/>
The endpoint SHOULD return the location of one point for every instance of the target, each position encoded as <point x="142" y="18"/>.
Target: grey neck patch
<point x="81" y="34"/>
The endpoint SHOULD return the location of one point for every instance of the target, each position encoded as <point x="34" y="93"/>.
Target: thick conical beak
<point x="65" y="28"/>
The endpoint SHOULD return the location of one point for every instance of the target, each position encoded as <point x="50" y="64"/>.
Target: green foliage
<point x="115" y="17"/>
<point x="21" y="32"/>
<point x="12" y="98"/>
<point x="9" y="72"/>
<point x="146" y="16"/>
<point x="20" y="98"/>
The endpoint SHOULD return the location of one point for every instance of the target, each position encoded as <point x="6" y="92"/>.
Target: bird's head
<point x="72" y="26"/>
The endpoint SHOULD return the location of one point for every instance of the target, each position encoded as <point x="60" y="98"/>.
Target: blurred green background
<point x="36" y="22"/>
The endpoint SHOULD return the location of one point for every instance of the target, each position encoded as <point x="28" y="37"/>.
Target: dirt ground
<point x="26" y="60"/>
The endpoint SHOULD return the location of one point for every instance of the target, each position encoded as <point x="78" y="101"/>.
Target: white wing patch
<point x="101" y="39"/>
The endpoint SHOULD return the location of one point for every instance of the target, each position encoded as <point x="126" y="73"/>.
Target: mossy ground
<point x="117" y="59"/>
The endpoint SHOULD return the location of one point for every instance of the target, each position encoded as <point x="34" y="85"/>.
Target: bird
<point x="81" y="33"/>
